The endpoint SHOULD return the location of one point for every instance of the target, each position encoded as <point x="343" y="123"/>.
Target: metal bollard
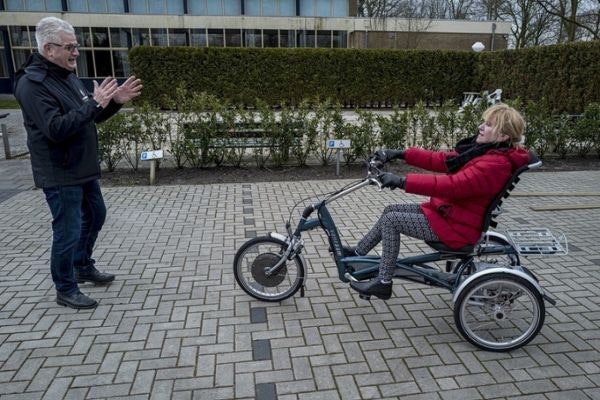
<point x="5" y="141"/>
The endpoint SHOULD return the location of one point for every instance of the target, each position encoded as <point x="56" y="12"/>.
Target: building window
<point x="140" y="37"/>
<point x="116" y="6"/>
<point x="22" y="40"/>
<point x="198" y="37"/>
<point x="85" y="64"/>
<point x="287" y="38"/>
<point x="230" y="7"/>
<point x="215" y="7"/>
<point x="159" y="36"/>
<point x="340" y="40"/>
<point x="96" y="6"/>
<point x="20" y="57"/>
<point x="252" y="38"/>
<point x="305" y="38"/>
<point x="103" y="61"/>
<point x="83" y="36"/>
<point x="33" y="5"/>
<point x="324" y="39"/>
<point x="270" y="38"/>
<point x="100" y="37"/>
<point x="287" y="8"/>
<point x="324" y="8"/>
<point x="77" y="5"/>
<point x="270" y="8"/>
<point x="178" y="37"/>
<point x="233" y="38"/>
<point x="197" y="7"/>
<point x="169" y="7"/>
<point x="120" y="37"/>
<point x="121" y="63"/>
<point x="216" y="38"/>
<point x="19" y="36"/>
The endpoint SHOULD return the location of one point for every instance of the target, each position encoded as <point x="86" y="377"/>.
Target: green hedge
<point x="566" y="76"/>
<point x="350" y="77"/>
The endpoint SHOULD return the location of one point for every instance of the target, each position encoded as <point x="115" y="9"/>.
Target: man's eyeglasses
<point x="70" y="47"/>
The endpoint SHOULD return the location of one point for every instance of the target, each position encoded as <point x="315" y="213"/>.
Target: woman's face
<point x="487" y="135"/>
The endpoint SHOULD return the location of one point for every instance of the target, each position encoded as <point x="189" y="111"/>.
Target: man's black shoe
<point x="77" y="300"/>
<point x="93" y="275"/>
<point x="373" y="287"/>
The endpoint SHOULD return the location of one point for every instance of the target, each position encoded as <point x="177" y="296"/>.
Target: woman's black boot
<point x="373" y="287"/>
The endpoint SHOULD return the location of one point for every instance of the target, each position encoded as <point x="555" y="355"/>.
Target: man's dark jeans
<point x="78" y="213"/>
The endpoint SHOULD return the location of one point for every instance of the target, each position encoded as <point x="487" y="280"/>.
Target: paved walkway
<point x="175" y="325"/>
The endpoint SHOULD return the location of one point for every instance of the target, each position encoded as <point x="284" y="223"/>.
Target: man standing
<point x="60" y="117"/>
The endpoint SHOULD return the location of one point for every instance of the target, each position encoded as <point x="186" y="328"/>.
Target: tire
<point x="500" y="259"/>
<point x="263" y="252"/>
<point x="499" y="312"/>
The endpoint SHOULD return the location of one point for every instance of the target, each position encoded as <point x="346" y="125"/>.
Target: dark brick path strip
<point x="7" y="194"/>
<point x="522" y="221"/>
<point x="261" y="350"/>
<point x="266" y="391"/>
<point x="258" y="315"/>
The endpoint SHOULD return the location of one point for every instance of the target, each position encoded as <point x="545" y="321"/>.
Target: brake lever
<point x="375" y="168"/>
<point x="376" y="182"/>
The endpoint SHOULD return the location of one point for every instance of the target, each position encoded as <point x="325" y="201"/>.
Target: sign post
<point x="152" y="156"/>
<point x="338" y="145"/>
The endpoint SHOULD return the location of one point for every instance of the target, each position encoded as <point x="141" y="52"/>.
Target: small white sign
<point x="338" y="144"/>
<point x="151" y="155"/>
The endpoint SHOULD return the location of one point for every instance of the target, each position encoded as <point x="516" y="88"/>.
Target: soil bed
<point x="202" y="176"/>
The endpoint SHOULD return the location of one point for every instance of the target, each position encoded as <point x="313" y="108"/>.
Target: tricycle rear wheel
<point x="499" y="311"/>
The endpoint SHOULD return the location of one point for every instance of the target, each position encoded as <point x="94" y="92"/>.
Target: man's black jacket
<point x="60" y="117"/>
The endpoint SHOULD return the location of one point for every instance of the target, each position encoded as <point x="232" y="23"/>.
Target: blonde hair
<point x="506" y="120"/>
<point x="48" y="31"/>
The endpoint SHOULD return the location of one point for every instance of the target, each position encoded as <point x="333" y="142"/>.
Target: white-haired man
<point x="60" y="117"/>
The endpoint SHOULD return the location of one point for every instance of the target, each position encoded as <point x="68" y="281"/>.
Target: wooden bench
<point x="246" y="137"/>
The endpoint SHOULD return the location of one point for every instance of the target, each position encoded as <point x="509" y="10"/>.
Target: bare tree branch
<point x="569" y="17"/>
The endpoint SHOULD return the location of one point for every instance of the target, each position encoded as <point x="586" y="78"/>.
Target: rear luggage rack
<point x="540" y="241"/>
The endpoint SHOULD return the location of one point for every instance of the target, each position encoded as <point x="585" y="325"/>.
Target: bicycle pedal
<point x="365" y="296"/>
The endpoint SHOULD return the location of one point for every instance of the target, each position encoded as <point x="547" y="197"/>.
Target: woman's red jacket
<point x="458" y="203"/>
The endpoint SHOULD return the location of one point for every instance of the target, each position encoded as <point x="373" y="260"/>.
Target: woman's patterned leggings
<point x="396" y="219"/>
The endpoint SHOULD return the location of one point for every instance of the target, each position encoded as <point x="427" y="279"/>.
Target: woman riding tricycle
<point x="498" y="303"/>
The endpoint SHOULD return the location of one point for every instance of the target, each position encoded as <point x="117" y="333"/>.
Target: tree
<point x="534" y="22"/>
<point x="460" y="9"/>
<point x="531" y="25"/>
<point x="579" y="18"/>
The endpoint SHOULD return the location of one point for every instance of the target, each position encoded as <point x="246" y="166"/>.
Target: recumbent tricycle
<point x="498" y="303"/>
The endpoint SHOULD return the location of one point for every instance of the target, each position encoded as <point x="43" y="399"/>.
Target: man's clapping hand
<point x="105" y="91"/>
<point x="130" y="89"/>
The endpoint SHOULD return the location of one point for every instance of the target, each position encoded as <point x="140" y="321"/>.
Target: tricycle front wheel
<point x="499" y="312"/>
<point x="253" y="261"/>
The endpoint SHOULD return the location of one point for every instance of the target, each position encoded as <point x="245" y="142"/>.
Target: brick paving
<point x="174" y="325"/>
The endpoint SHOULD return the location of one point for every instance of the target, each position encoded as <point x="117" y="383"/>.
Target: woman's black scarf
<point x="468" y="149"/>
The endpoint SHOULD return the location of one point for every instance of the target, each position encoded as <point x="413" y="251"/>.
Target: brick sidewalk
<point x="175" y="325"/>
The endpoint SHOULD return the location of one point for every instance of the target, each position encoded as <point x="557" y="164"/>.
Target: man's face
<point x="64" y="53"/>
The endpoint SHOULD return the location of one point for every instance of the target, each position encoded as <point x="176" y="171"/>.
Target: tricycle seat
<point x="442" y="248"/>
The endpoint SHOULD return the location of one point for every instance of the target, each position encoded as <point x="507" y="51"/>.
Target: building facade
<point x="106" y="29"/>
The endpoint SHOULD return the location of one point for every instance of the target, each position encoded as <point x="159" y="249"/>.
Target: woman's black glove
<point x="386" y="155"/>
<point x="390" y="180"/>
